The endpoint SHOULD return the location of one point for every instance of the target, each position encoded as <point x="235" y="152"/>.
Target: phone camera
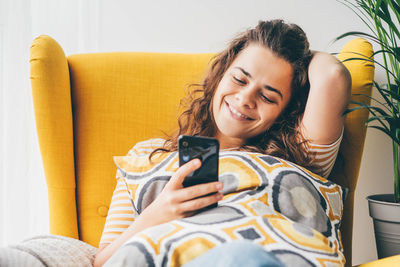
<point x="185" y="158"/>
<point x="185" y="154"/>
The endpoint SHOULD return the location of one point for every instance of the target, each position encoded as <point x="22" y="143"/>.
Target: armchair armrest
<point x="51" y="94"/>
<point x="385" y="262"/>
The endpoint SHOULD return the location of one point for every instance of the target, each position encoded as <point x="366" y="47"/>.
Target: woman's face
<point x="251" y="95"/>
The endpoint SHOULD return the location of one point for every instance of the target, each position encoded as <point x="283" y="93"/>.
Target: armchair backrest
<point x="91" y="107"/>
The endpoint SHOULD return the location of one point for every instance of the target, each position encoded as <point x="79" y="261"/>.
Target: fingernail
<point x="219" y="196"/>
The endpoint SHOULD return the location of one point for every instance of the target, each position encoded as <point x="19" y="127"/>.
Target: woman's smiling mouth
<point x="236" y="114"/>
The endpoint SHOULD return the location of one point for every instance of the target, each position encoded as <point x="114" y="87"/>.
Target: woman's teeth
<point x="237" y="113"/>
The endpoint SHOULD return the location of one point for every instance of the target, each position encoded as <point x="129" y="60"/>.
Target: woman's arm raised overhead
<point x="330" y="89"/>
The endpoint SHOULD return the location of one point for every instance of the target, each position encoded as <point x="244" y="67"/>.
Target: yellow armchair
<point x="91" y="107"/>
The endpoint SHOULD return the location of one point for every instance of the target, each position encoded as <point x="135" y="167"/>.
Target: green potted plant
<point x="383" y="19"/>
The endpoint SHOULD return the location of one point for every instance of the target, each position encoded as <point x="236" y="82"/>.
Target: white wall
<point x="180" y="26"/>
<point x="206" y="26"/>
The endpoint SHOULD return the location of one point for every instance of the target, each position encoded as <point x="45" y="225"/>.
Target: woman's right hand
<point x="176" y="201"/>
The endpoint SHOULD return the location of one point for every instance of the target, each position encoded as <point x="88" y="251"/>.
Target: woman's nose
<point x="246" y="97"/>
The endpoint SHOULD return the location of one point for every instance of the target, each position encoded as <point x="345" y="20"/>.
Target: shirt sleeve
<point x="121" y="213"/>
<point x="144" y="148"/>
<point x="325" y="155"/>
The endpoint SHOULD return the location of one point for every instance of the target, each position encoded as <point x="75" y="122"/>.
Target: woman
<point x="267" y="92"/>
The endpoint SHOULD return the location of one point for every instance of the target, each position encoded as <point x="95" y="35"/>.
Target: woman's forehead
<point x="262" y="65"/>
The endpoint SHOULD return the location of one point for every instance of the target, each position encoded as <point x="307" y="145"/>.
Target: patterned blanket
<point x="283" y="207"/>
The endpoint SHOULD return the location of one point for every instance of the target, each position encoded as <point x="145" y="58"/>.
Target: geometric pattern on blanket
<point x="285" y="208"/>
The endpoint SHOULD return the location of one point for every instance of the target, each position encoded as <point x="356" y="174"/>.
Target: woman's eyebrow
<point x="244" y="72"/>
<point x="274" y="90"/>
<point x="270" y="88"/>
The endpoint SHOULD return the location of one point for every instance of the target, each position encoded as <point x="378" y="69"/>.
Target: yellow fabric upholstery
<point x="53" y="112"/>
<point x="91" y="107"/>
<point x="393" y="261"/>
<point x="117" y="99"/>
<point x="345" y="171"/>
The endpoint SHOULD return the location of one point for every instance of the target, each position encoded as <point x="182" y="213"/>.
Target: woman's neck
<point x="229" y="143"/>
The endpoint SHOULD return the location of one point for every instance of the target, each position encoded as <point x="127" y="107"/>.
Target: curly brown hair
<point x="283" y="139"/>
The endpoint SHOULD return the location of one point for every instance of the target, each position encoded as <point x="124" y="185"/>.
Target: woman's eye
<point x="266" y="99"/>
<point x="238" y="80"/>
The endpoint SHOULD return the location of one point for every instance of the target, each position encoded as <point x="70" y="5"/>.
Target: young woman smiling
<point x="267" y="92"/>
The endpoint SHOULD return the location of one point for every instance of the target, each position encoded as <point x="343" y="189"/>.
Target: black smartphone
<point x="207" y="150"/>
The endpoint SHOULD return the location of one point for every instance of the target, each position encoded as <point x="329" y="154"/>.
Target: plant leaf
<point x="370" y="60"/>
<point x="394" y="96"/>
<point x="382" y="17"/>
<point x="386" y="105"/>
<point x="384" y="14"/>
<point x="386" y="132"/>
<point x="389" y="101"/>
<point x="395" y="51"/>
<point x="371" y="110"/>
<point x="370" y="107"/>
<point x="356" y="33"/>
<point x="347" y="111"/>
<point x="374" y="118"/>
<point x="393" y="92"/>
<point x="366" y="19"/>
<point x="394" y="124"/>
<point x="395" y="7"/>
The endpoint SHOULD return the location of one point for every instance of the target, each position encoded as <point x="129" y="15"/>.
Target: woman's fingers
<point x="176" y="180"/>
<point x="199" y="190"/>
<point x="198" y="196"/>
<point x="201" y="202"/>
<point x="178" y="202"/>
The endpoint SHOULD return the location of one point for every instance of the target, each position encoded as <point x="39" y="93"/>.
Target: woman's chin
<point x="234" y="136"/>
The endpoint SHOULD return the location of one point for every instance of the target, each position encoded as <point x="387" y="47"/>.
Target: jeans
<point x="237" y="253"/>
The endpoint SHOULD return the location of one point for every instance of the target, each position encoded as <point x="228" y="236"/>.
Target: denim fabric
<point x="237" y="253"/>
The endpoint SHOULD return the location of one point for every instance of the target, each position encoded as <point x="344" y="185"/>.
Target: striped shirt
<point x="122" y="213"/>
<point x="325" y="155"/>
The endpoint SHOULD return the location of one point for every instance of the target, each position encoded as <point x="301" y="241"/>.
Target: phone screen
<point x="204" y="148"/>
